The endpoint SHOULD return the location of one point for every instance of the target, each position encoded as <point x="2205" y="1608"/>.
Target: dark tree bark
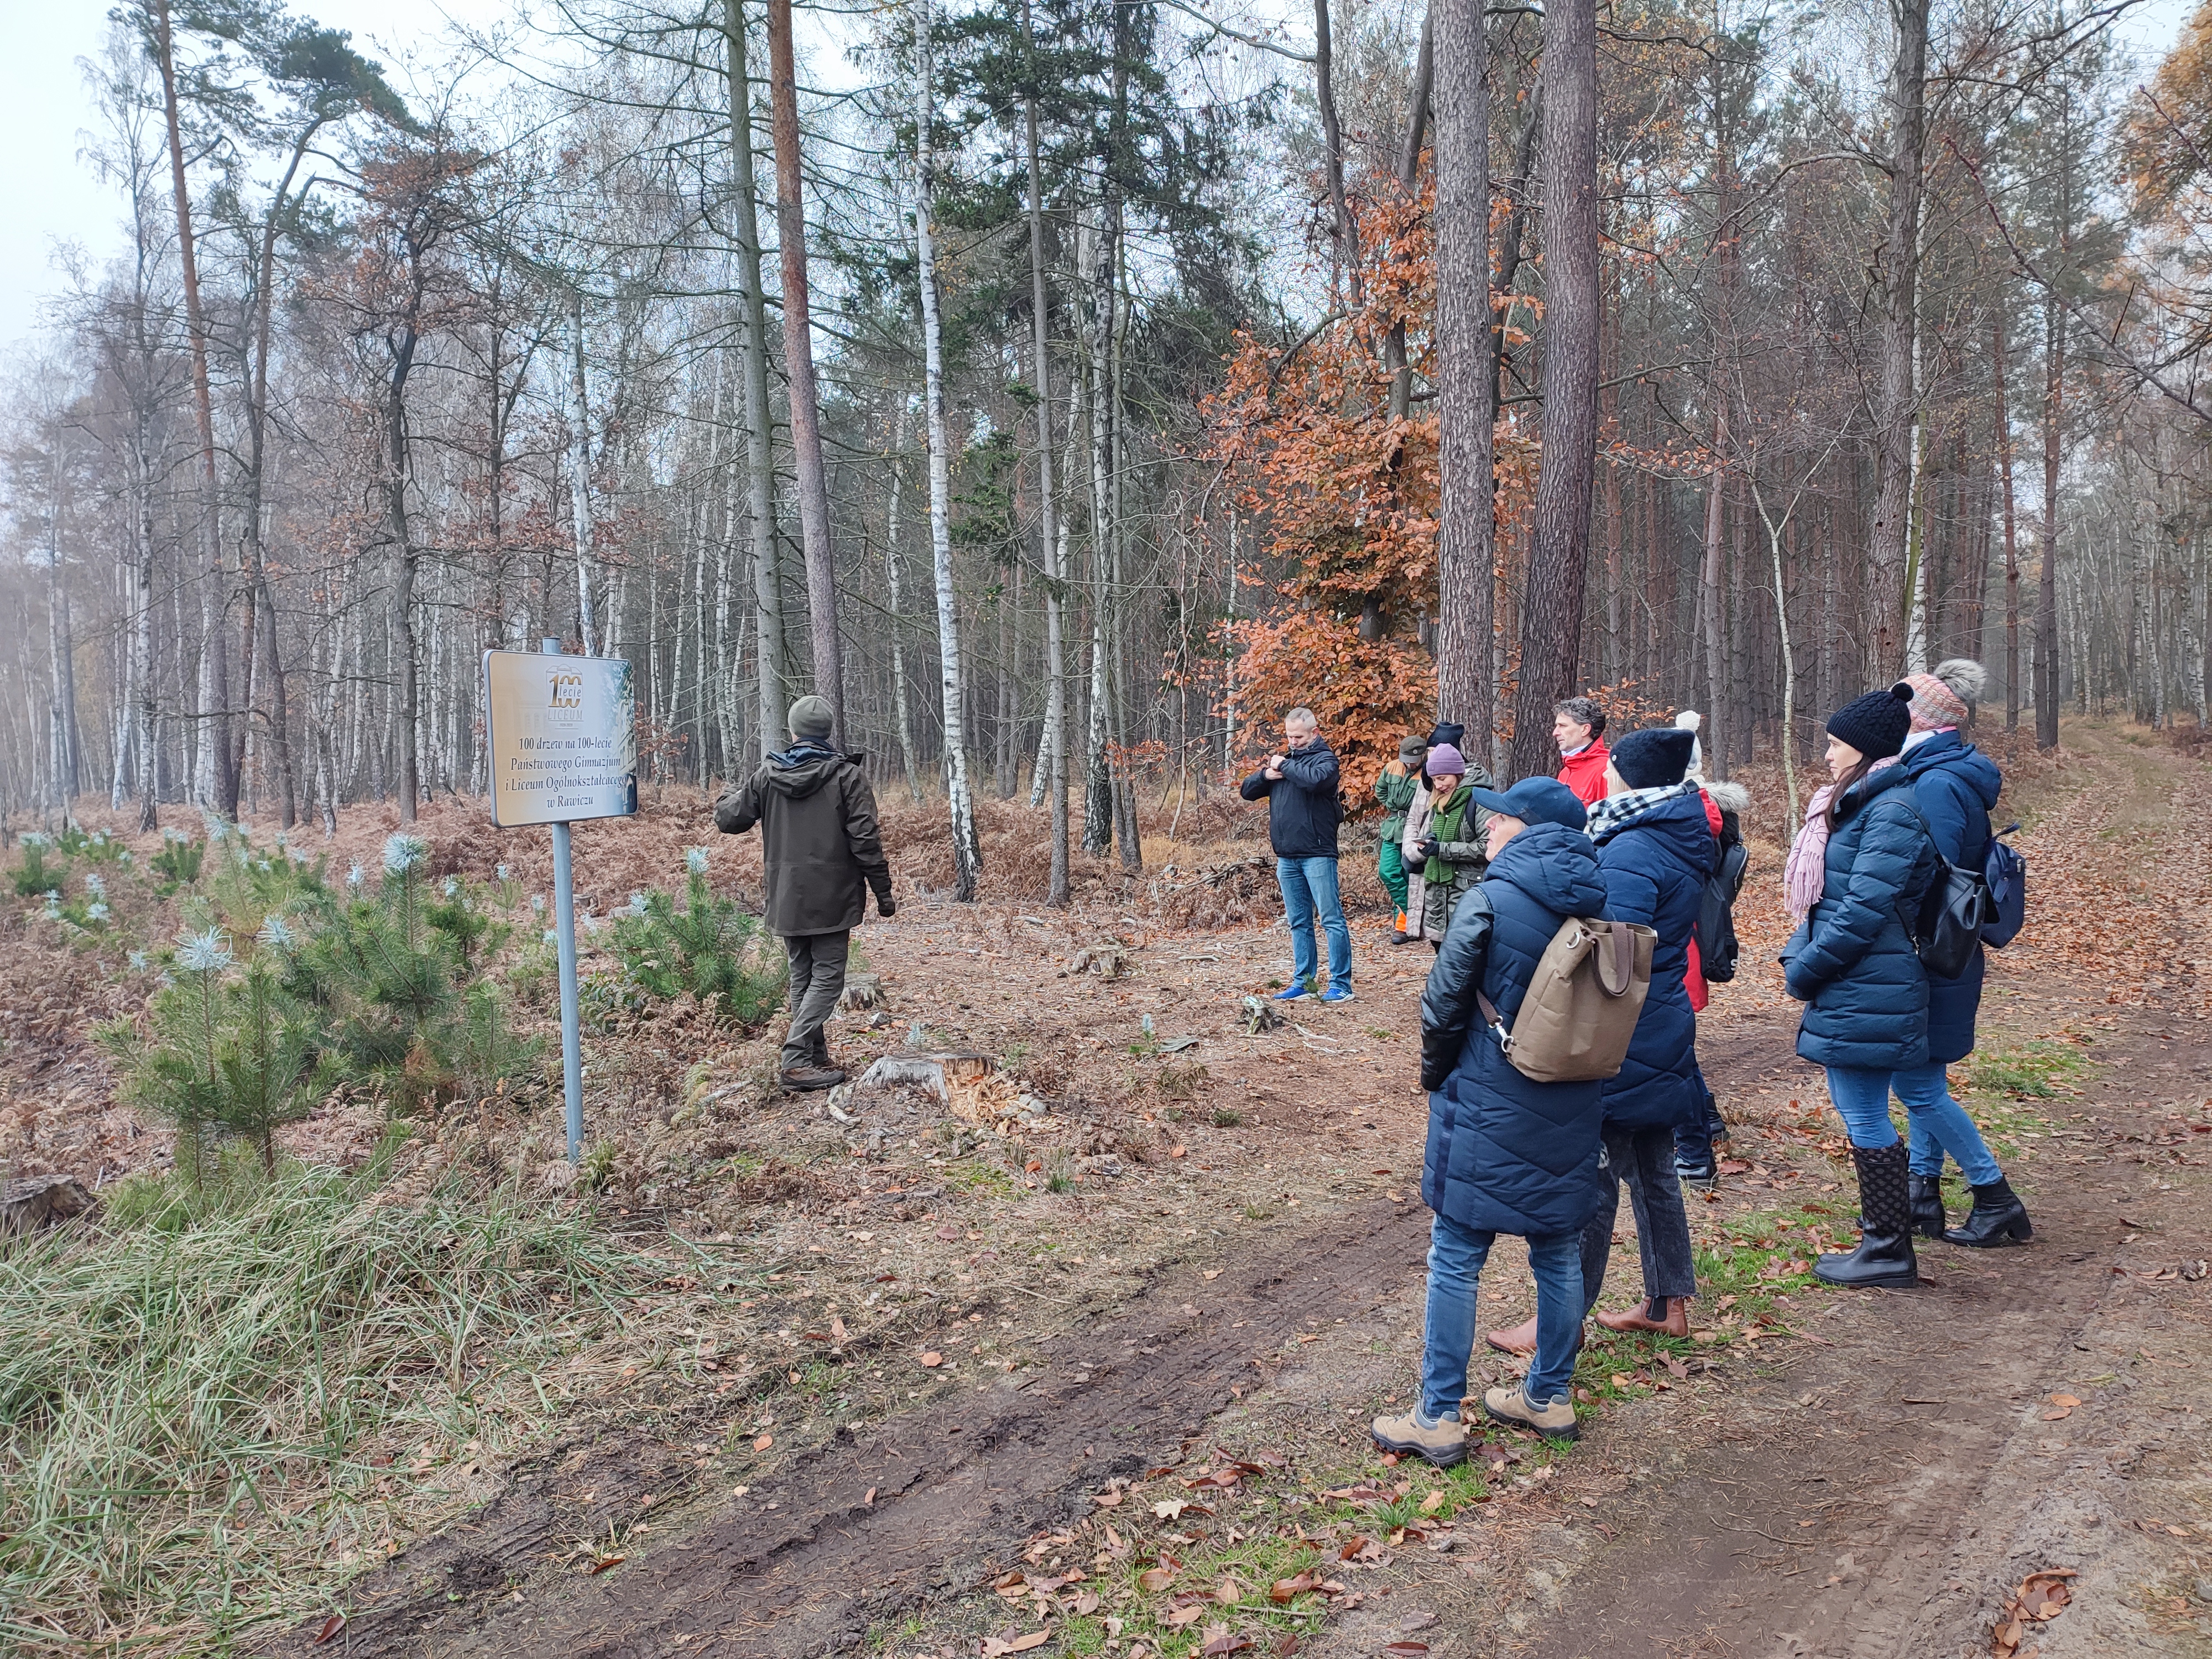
<point x="799" y="366"/>
<point x="2046" y="604"/>
<point x="1552" y="614"/>
<point x="1896" y="397"/>
<point x="1467" y="531"/>
<point x="2011" y="540"/>
<point x="1344" y="236"/>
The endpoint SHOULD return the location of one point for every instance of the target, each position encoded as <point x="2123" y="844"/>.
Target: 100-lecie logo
<point x="567" y="706"/>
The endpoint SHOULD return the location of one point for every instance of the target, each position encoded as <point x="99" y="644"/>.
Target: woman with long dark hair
<point x="1852" y="964"/>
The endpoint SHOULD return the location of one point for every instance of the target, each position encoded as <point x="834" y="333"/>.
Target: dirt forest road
<point x="1873" y="1479"/>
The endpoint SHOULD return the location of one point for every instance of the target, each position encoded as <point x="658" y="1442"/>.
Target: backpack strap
<point x="1615" y="955"/>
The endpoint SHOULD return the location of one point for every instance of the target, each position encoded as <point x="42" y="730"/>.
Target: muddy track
<point x="868" y="1527"/>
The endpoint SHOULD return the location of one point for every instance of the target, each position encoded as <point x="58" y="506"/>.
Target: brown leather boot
<point x="1520" y="1340"/>
<point x="1674" y="1320"/>
<point x="804" y="1078"/>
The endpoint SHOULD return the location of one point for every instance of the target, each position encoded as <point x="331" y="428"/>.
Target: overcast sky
<point x="51" y="198"/>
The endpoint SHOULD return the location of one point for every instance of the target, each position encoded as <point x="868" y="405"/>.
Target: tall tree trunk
<point x="1552" y="615"/>
<point x="760" y="436"/>
<point x="1048" y="538"/>
<point x="798" y="367"/>
<point x="406" y="715"/>
<point x="2011" y="541"/>
<point x="967" y="854"/>
<point x="1467" y="547"/>
<point x="1343" y="233"/>
<point x="2046" y="607"/>
<point x="894" y="574"/>
<point x="215" y="675"/>
<point x="1897" y="396"/>
<point x="1409" y="178"/>
<point x="1718" y="725"/>
<point x="1098" y="782"/>
<point x="582" y="522"/>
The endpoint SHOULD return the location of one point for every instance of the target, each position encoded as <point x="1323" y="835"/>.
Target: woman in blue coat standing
<point x="1506" y="1154"/>
<point x="1853" y="965"/>
<point x="1955" y="786"/>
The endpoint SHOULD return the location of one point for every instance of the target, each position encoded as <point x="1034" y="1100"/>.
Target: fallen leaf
<point x="1289" y="1589"/>
<point x="1178" y="1151"/>
<point x="1228" y="1592"/>
<point x="1225" y="1643"/>
<point x="331" y="1627"/>
<point x="836" y="1330"/>
<point x="932" y="1360"/>
<point x="1213" y="1273"/>
<point x="762" y="1442"/>
<point x="1085" y="1604"/>
<point x="869" y="1501"/>
<point x="1106" y="1500"/>
<point x="603" y="1564"/>
<point x="2065" y="1400"/>
<point x="1433" y="1501"/>
<point x="1168" y="1508"/>
<point x="1155" y="1579"/>
<point x="1187" y="1615"/>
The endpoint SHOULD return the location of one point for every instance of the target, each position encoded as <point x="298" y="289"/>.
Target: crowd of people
<point x="1632" y="832"/>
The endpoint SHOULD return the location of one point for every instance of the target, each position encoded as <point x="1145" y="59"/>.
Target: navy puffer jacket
<point x="1302" y="806"/>
<point x="1852" y="964"/>
<point x="1654" y="867"/>
<point x="1954" y="785"/>
<point x="1507" y="1154"/>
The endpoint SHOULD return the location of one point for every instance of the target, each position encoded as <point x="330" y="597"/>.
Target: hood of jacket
<point x="1678" y="825"/>
<point x="800" y="770"/>
<point x="1949" y="752"/>
<point x="1556" y="866"/>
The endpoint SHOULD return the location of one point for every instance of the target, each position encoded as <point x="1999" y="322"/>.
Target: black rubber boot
<point x="1884" y="1259"/>
<point x="1998" y="1217"/>
<point x="1926" y="1195"/>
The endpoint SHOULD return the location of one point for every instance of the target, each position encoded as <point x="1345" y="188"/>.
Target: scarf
<point x="1615" y="813"/>
<point x="1450" y="824"/>
<point x="1806" y="870"/>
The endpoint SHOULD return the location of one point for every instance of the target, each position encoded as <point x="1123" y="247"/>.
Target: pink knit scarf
<point x="1805" y="870"/>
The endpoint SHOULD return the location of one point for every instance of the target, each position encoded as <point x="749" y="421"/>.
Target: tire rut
<point x="865" y="1529"/>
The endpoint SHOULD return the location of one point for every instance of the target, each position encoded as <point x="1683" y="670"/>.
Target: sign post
<point x="561" y="739"/>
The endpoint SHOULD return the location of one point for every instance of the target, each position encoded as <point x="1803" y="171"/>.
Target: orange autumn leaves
<point x="1344" y="492"/>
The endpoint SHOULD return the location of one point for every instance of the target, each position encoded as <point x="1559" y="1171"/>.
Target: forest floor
<point x="1083" y="1365"/>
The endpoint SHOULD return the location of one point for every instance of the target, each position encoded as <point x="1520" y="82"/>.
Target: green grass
<point x="2038" y="1070"/>
<point x="210" y="1414"/>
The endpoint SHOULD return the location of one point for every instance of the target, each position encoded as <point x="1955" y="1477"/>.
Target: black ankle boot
<point x="1884" y="1258"/>
<point x="1998" y="1217"/>
<point x="1925" y="1194"/>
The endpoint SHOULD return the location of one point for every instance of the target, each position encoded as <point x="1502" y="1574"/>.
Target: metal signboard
<point x="561" y="737"/>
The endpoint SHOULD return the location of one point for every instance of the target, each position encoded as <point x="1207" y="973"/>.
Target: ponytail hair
<point x="1844" y="785"/>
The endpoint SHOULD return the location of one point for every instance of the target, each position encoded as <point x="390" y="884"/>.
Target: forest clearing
<point x="1054" y="1044"/>
<point x="1089" y="1347"/>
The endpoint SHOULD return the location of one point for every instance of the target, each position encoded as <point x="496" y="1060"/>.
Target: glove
<point x="1427" y="847"/>
<point x="886" y="906"/>
<point x="1440" y="1052"/>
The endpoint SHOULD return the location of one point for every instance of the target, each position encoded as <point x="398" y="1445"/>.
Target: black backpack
<point x="1947" y="927"/>
<point x="1718" y="950"/>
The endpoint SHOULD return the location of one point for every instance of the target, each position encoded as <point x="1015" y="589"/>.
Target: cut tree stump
<point x="27" y="1205"/>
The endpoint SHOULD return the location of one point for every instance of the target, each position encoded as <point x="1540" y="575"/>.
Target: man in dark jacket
<point x="819" y="855"/>
<point x="1300" y="785"/>
<point x="1505" y="1154"/>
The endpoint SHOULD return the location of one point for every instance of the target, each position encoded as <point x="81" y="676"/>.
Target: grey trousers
<point x="1643" y="1160"/>
<point x="817" y="980"/>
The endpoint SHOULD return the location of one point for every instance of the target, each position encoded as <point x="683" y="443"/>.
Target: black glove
<point x="886" y="906"/>
<point x="1440" y="1052"/>
<point x="1427" y="847"/>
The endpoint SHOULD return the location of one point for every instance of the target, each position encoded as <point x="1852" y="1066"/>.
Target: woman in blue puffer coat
<point x="1853" y="965"/>
<point x="1955" y="786"/>
<point x="1505" y="1154"/>
<point x="1654" y="850"/>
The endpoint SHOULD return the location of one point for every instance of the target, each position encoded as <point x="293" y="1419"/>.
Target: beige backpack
<point x="1583" y="1000"/>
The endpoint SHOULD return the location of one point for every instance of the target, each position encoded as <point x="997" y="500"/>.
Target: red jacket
<point x="1584" y="772"/>
<point x="1695" y="979"/>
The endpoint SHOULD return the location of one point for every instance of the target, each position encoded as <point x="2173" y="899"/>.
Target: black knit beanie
<point x="1655" y="757"/>
<point x="1876" y="724"/>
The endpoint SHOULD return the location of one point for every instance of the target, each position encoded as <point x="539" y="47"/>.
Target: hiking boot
<point x="1661" y="1315"/>
<point x="1444" y="1441"/>
<point x="803" y="1079"/>
<point x="1998" y="1217"/>
<point x="1884" y="1259"/>
<point x="1556" y="1421"/>
<point x="1925" y="1194"/>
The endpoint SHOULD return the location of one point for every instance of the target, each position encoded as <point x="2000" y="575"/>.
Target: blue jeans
<point x="1456" y="1257"/>
<point x="1693" y="1144"/>
<point x="1310" y="886"/>
<point x="1862" y="1098"/>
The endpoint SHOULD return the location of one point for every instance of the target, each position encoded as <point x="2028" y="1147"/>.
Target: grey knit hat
<point x="810" y="720"/>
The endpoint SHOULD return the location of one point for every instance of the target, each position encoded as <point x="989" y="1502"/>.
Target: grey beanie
<point x="810" y="720"/>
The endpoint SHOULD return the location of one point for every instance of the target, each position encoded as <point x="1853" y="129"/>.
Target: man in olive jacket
<point x="818" y="846"/>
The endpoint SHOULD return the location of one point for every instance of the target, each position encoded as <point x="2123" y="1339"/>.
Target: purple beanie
<point x="1446" y="761"/>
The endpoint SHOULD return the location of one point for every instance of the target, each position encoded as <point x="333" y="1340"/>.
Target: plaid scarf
<point x="1616" y="812"/>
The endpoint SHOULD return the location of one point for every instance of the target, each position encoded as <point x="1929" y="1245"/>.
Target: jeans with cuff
<point x="1643" y="1161"/>
<point x="1309" y="889"/>
<point x="1862" y="1098"/>
<point x="1456" y="1257"/>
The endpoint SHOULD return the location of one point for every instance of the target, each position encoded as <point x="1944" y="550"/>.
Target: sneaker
<point x="1555" y="1421"/>
<point x="1337" y="993"/>
<point x="803" y="1079"/>
<point x="1293" y="991"/>
<point x="1444" y="1441"/>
